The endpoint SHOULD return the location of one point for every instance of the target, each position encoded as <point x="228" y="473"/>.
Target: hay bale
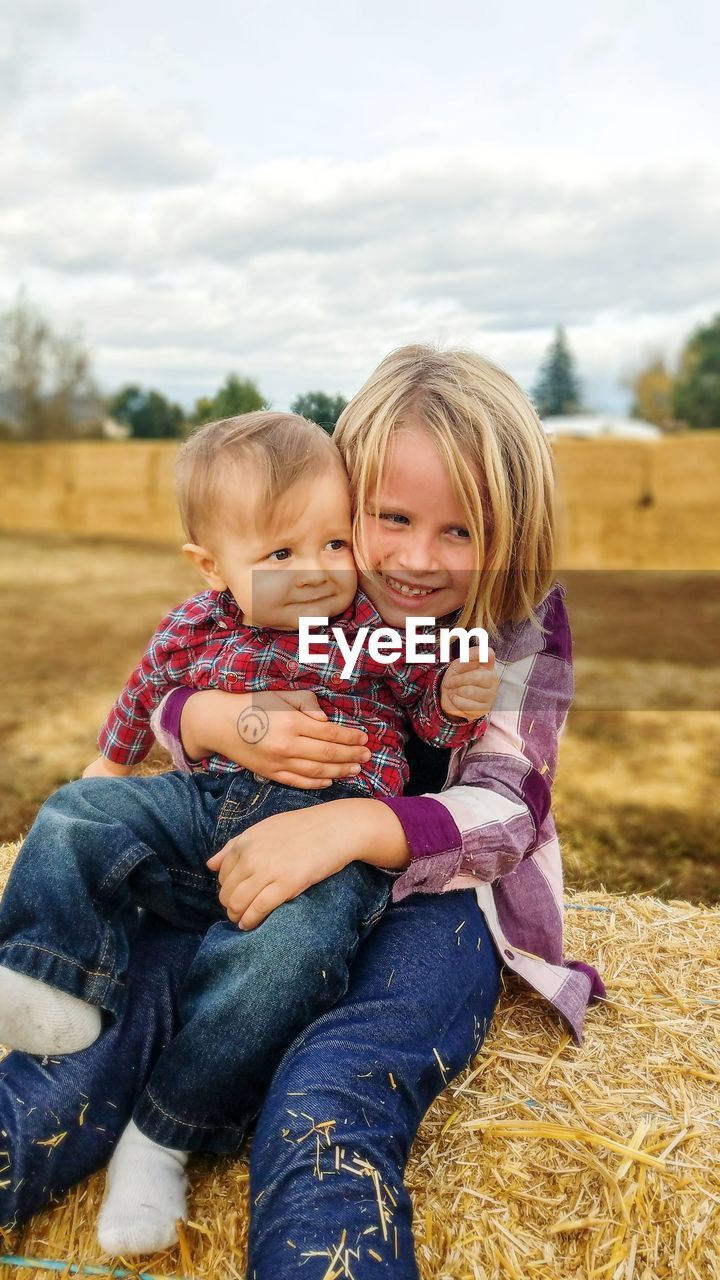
<point x="543" y="1161"/>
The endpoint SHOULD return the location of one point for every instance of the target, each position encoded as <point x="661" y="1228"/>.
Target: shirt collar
<point x="226" y="609"/>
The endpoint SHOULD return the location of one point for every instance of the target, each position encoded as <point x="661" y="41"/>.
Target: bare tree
<point x="46" y="382"/>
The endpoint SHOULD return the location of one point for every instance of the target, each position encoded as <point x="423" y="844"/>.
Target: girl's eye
<point x="337" y="544"/>
<point x="282" y="554"/>
<point x="461" y="533"/>
<point x="393" y="517"/>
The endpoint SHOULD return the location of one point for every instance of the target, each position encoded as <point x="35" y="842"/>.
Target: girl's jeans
<point x="101" y="847"/>
<point x="421" y="996"/>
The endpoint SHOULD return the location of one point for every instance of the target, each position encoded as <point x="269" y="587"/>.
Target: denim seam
<point x="34" y="946"/>
<point x="101" y="962"/>
<point x="235" y="811"/>
<point x="181" y="874"/>
<point x="373" y="919"/>
<point x="186" y="1124"/>
<point x="376" y="914"/>
<point x="230" y="809"/>
<point x="116" y="870"/>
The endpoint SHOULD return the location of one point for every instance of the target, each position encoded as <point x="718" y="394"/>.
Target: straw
<point x="543" y="1161"/>
<point x="77" y="1269"/>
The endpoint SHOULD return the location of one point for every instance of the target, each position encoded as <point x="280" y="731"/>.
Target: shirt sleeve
<point x="488" y="820"/>
<point x="417" y="690"/>
<point x="127" y="736"/>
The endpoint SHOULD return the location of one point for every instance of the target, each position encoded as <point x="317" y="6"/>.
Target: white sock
<point x="146" y="1194"/>
<point x="37" y="1018"/>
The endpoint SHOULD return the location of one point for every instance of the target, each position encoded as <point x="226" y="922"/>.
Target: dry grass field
<point x="637" y="792"/>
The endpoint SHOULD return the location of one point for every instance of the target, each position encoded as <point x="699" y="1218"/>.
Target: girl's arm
<point x="489" y="819"/>
<point x="283" y="855"/>
<point x="285" y="737"/>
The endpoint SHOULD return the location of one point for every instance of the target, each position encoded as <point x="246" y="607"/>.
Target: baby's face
<point x="301" y="564"/>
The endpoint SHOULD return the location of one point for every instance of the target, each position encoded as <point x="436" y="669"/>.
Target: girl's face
<point x="420" y="555"/>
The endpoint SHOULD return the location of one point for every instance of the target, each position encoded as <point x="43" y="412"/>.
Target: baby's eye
<point x="283" y="553"/>
<point x="337" y="544"/>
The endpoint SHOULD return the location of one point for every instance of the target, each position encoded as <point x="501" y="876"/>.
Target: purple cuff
<point x="429" y="828"/>
<point x="597" y="986"/>
<point x="165" y="724"/>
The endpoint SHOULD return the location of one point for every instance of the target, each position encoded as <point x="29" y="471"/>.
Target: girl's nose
<point x="417" y="555"/>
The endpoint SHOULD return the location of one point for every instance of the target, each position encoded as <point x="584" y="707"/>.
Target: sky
<point x="291" y="190"/>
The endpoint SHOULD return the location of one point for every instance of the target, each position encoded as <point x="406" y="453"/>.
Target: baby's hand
<point x="469" y="689"/>
<point x="103" y="768"/>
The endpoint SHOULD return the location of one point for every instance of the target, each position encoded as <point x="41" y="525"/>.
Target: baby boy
<point x="266" y="507"/>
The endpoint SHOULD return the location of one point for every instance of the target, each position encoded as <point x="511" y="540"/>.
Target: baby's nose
<point x="311" y="576"/>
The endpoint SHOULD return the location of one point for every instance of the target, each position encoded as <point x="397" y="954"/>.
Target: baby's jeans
<point x="101" y="847"/>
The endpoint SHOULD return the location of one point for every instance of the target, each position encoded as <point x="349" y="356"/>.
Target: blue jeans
<point x="43" y="1097"/>
<point x="414" y="991"/>
<point x="101" y="847"/>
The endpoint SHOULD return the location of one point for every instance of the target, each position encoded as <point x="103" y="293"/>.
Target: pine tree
<point x="557" y="389"/>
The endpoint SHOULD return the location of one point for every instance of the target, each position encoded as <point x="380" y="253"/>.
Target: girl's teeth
<point x="408" y="591"/>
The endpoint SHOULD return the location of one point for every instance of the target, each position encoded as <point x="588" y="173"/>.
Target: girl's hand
<point x="278" y="858"/>
<point x="285" y="737"/>
<point x="103" y="768"/>
<point x="469" y="689"/>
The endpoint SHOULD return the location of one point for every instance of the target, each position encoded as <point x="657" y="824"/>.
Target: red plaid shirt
<point x="204" y="643"/>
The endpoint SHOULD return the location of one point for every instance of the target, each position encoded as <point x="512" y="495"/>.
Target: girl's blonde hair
<point x="497" y="456"/>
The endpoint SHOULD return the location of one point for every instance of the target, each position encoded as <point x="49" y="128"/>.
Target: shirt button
<point x="336" y="679"/>
<point x="291" y="665"/>
<point x="509" y="955"/>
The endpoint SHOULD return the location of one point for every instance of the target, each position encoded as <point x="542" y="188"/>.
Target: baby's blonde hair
<point x="235" y="470"/>
<point x="498" y="460"/>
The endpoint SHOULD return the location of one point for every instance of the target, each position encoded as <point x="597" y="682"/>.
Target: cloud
<point x="304" y="272"/>
<point x="449" y="229"/>
<point x="25" y="31"/>
<point x="108" y="141"/>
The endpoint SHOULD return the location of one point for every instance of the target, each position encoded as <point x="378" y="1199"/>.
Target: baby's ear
<point x="206" y="565"/>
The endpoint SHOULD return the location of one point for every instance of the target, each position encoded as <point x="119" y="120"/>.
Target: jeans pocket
<point x="244" y="796"/>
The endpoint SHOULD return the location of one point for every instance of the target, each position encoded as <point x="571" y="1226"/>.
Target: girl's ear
<point x="206" y="564"/>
